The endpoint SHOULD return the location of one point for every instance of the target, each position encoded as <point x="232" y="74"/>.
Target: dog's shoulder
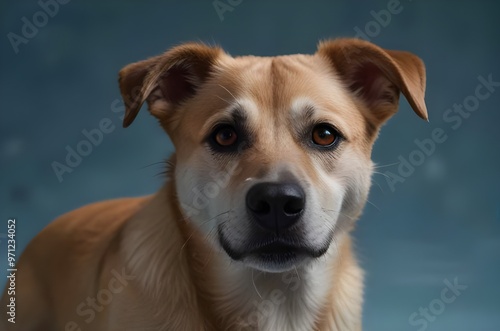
<point x="83" y="232"/>
<point x="96" y="219"/>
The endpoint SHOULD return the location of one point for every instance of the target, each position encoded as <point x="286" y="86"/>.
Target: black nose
<point x="275" y="206"/>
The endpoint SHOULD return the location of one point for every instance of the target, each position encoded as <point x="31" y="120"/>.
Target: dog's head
<point x="273" y="153"/>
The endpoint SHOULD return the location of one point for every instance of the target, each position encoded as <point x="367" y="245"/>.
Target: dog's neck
<point x="192" y="282"/>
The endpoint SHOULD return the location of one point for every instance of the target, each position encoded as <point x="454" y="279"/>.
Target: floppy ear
<point x="377" y="76"/>
<point x="165" y="81"/>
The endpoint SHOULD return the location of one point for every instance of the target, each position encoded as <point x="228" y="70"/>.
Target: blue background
<point x="442" y="222"/>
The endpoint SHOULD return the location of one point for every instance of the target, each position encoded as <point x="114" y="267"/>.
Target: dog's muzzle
<point x="276" y="240"/>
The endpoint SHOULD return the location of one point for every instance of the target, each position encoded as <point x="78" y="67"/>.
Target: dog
<point x="252" y="229"/>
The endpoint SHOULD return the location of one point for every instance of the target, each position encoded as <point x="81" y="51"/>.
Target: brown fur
<point x="178" y="278"/>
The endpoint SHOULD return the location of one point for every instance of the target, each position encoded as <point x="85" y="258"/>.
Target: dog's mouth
<point x="277" y="253"/>
<point x="270" y="257"/>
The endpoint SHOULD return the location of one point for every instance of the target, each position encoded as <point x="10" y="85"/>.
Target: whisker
<point x="334" y="226"/>
<point x="329" y="222"/>
<point x="212" y="251"/>
<point x="374" y="205"/>
<point x="219" y="215"/>
<point x="162" y="173"/>
<point x="201" y="224"/>
<point x="255" y="286"/>
<point x="296" y="272"/>
<point x="341" y="213"/>
<point x="227" y="101"/>
<point x="336" y="243"/>
<point x="380" y="187"/>
<point x="385" y="165"/>
<point x="381" y="173"/>
<point x="228" y="91"/>
<point x="152" y="164"/>
<point x="185" y="243"/>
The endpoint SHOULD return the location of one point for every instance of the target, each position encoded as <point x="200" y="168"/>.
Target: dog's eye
<point x="225" y="136"/>
<point x="324" y="135"/>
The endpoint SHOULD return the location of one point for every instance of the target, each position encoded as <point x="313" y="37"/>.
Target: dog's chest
<point x="289" y="301"/>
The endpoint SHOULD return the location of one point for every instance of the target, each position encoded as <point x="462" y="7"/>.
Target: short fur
<point x="160" y="257"/>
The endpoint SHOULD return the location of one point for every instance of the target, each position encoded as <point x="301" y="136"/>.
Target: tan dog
<point x="251" y="230"/>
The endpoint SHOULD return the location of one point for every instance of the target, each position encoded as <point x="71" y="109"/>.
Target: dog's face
<point x="273" y="154"/>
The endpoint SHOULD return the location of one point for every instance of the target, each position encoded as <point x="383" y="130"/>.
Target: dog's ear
<point x="377" y="76"/>
<point x="167" y="80"/>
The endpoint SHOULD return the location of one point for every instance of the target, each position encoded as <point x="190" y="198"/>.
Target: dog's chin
<point x="276" y="259"/>
<point x="275" y="256"/>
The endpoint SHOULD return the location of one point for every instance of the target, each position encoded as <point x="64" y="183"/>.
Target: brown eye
<point x="225" y="136"/>
<point x="323" y="135"/>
